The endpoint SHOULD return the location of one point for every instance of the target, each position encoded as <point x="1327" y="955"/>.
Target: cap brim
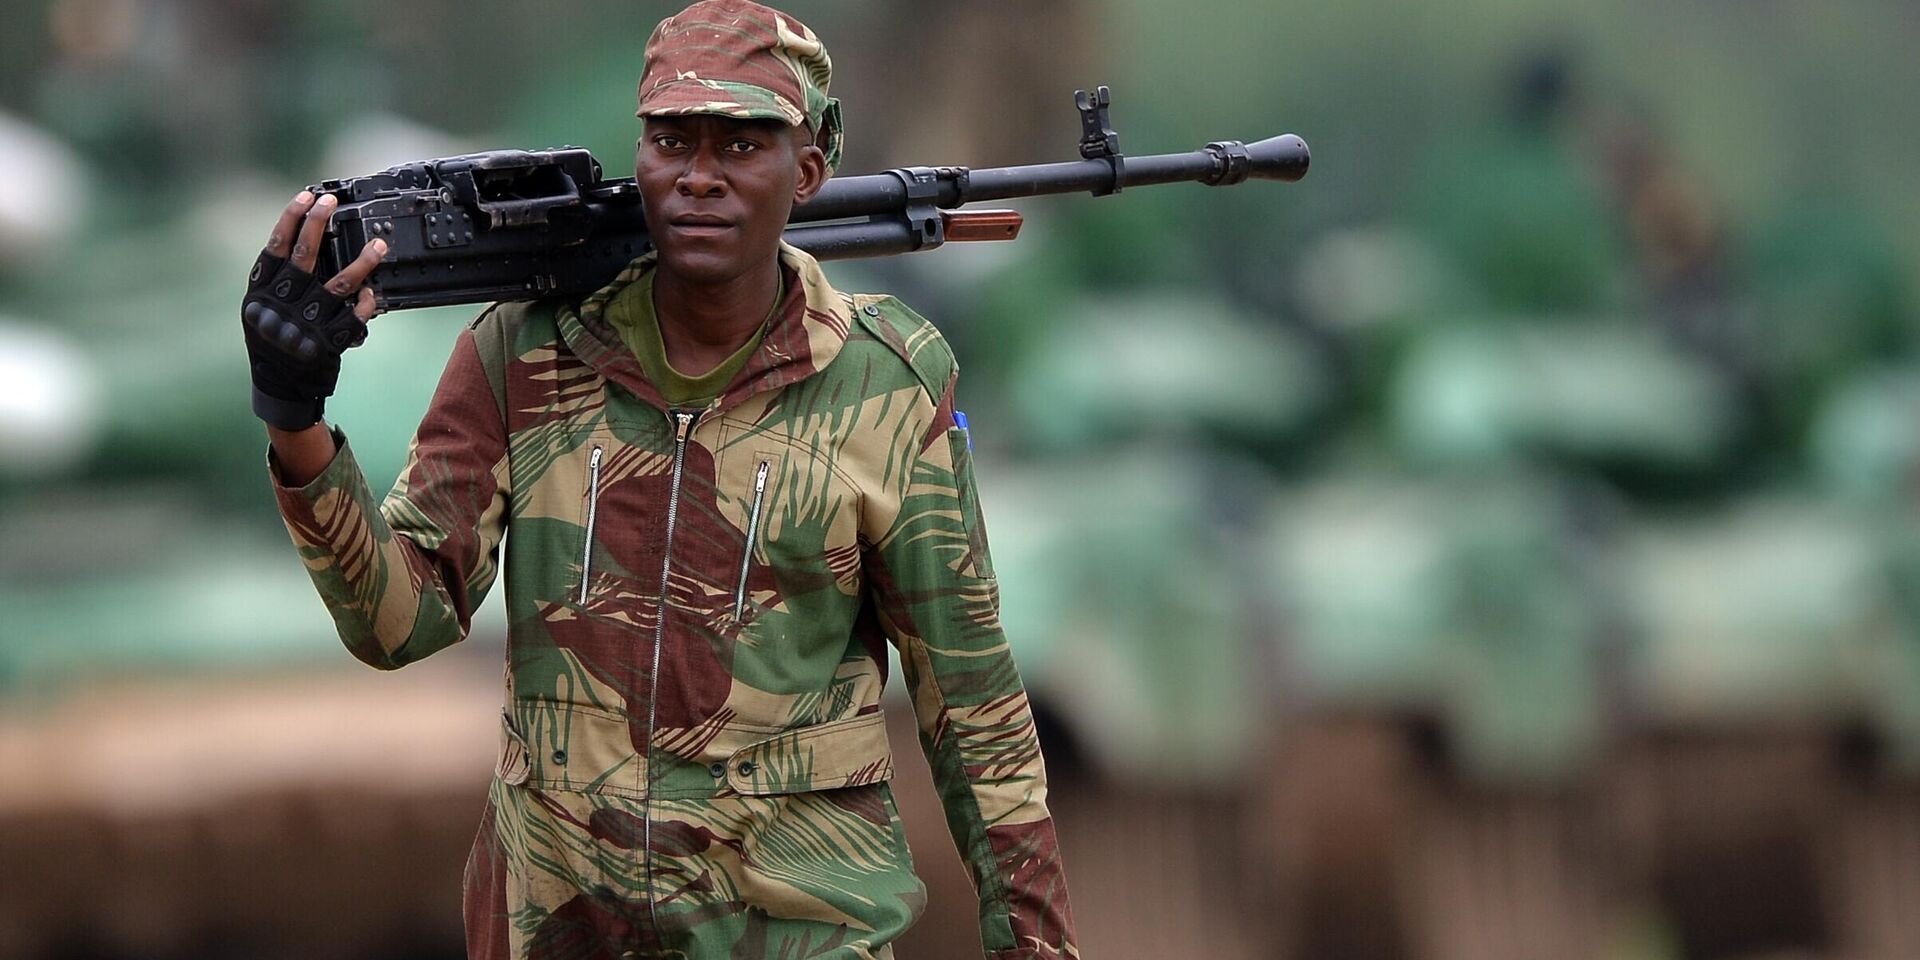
<point x="720" y="98"/>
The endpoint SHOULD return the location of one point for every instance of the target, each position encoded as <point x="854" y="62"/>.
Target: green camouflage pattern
<point x="693" y="760"/>
<point x="740" y="59"/>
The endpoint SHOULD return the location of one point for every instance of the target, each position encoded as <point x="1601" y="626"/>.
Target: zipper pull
<point x="683" y="424"/>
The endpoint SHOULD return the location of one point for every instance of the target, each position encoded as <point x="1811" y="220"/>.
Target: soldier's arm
<point x="403" y="576"/>
<point x="939" y="603"/>
<point x="301" y="454"/>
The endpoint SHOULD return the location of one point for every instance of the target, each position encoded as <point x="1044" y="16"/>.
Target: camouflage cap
<point x="737" y="58"/>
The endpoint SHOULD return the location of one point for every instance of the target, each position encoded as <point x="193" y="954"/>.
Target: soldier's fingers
<point x="280" y="241"/>
<point x="364" y="306"/>
<point x="306" y="248"/>
<point x="357" y="272"/>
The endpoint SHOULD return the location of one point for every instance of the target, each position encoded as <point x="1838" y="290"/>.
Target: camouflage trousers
<point x="564" y="875"/>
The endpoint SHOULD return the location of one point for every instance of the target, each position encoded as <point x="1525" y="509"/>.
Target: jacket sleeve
<point x="402" y="577"/>
<point x="940" y="605"/>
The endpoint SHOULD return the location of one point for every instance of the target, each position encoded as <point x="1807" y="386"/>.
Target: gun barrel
<point x="861" y="196"/>
<point x="1284" y="157"/>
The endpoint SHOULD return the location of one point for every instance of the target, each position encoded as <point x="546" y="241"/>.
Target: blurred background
<point x="1501" y="544"/>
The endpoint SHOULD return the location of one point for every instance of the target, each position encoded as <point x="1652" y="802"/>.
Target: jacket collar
<point x="809" y="326"/>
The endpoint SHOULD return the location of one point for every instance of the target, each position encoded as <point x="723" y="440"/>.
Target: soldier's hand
<point x="296" y="327"/>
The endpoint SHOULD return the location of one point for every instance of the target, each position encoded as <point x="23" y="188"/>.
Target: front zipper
<point x="682" y="421"/>
<point x="753" y="529"/>
<point x="593" y="502"/>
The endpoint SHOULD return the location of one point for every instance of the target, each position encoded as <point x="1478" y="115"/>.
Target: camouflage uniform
<point x="693" y="759"/>
<point x="693" y="762"/>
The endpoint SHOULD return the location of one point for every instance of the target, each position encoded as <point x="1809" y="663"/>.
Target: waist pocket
<point x="574" y="747"/>
<point x="825" y="756"/>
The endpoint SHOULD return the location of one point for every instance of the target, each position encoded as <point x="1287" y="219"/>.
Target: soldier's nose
<point x="701" y="179"/>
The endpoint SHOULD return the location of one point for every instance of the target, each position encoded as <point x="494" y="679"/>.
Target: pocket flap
<point x="842" y="753"/>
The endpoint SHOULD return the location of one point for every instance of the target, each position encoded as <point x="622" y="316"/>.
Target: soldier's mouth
<point x="699" y="228"/>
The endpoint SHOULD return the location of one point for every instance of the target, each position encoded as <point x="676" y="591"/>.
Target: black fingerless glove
<point x="295" y="331"/>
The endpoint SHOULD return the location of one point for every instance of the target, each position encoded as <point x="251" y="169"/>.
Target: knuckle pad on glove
<point x="285" y="334"/>
<point x="267" y="321"/>
<point x="296" y="329"/>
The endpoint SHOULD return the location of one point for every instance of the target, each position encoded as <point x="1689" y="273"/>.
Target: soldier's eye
<point x="743" y="146"/>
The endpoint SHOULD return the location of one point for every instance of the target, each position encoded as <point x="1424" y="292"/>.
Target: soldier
<point x="729" y="486"/>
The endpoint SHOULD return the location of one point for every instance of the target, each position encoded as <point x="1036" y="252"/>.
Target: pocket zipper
<point x="753" y="529"/>
<point x="593" y="502"/>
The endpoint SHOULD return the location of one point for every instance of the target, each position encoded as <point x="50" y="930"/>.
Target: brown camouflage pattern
<point x="693" y="761"/>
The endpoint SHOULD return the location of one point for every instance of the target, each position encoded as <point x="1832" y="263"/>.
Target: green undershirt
<point x="631" y="314"/>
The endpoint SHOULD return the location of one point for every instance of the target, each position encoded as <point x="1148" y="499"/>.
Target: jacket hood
<point x="809" y="326"/>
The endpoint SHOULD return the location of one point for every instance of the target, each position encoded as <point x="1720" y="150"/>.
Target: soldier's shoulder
<point x="510" y="328"/>
<point x="505" y="319"/>
<point x="909" y="336"/>
<point x="506" y="330"/>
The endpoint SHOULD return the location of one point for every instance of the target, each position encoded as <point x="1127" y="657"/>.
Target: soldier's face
<point x="718" y="190"/>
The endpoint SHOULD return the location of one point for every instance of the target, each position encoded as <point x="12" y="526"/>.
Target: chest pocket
<point x="798" y="523"/>
<point x="593" y="467"/>
<point x="761" y="477"/>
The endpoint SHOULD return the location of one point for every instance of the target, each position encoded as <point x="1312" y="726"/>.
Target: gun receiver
<point x="528" y="224"/>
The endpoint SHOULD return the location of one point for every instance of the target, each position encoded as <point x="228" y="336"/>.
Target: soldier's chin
<point x="703" y="263"/>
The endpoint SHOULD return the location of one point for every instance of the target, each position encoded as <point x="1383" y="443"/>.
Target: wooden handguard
<point x="982" y="224"/>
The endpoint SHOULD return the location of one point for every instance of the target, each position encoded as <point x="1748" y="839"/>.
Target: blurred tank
<point x="1127" y="596"/>
<point x="1757" y="613"/>
<point x="1173" y="365"/>
<point x="1603" y="396"/>
<point x="1462" y="603"/>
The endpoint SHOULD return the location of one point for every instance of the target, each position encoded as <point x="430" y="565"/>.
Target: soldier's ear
<point x="812" y="162"/>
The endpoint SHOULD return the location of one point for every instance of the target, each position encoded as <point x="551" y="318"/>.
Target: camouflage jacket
<point x="699" y="601"/>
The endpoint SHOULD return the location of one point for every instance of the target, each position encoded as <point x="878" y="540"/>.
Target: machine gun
<point x="528" y="224"/>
